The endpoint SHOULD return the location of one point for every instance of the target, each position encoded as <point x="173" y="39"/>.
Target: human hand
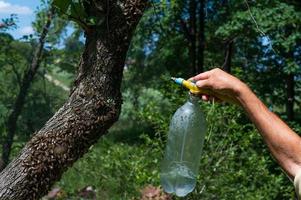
<point x="219" y="85"/>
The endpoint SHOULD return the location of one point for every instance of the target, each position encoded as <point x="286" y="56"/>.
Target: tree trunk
<point x="192" y="30"/>
<point x="28" y="77"/>
<point x="290" y="92"/>
<point x="201" y="38"/>
<point x="228" y="57"/>
<point x="93" y="106"/>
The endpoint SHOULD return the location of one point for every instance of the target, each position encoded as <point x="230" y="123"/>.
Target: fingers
<point x="201" y="76"/>
<point x="206" y="97"/>
<point x="202" y="83"/>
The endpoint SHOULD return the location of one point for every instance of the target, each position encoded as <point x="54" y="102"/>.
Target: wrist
<point x="243" y="94"/>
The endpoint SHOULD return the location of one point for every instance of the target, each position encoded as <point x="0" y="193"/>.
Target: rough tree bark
<point x="93" y="106"/>
<point x="28" y="77"/>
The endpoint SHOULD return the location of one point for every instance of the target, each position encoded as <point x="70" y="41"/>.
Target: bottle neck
<point x="193" y="98"/>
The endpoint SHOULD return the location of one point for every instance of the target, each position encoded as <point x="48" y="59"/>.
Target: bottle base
<point x="180" y="181"/>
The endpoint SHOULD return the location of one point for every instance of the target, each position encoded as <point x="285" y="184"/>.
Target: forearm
<point x="284" y="143"/>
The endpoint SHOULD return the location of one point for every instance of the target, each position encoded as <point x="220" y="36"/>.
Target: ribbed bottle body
<point x="186" y="135"/>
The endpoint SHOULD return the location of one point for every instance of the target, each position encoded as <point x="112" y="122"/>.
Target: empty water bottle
<point x="183" y="151"/>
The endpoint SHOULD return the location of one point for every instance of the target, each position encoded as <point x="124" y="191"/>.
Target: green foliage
<point x="235" y="163"/>
<point x="44" y="97"/>
<point x="76" y="10"/>
<point x="62" y="5"/>
<point x="116" y="170"/>
<point x="9" y="23"/>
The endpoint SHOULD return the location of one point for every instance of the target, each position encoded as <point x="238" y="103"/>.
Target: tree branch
<point x="228" y="56"/>
<point x="27" y="79"/>
<point x="6" y="25"/>
<point x="93" y="106"/>
<point x="18" y="76"/>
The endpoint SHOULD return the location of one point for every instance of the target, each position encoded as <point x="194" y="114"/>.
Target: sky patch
<point x="8" y="8"/>
<point x="26" y="30"/>
<point x="25" y="12"/>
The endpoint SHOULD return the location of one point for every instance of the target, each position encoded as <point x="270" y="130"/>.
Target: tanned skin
<point x="282" y="141"/>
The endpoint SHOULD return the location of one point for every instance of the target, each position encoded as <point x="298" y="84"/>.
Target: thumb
<point x="202" y="83"/>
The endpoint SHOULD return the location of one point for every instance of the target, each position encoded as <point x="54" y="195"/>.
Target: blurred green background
<point x="257" y="41"/>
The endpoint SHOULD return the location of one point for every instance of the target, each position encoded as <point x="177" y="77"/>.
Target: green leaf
<point x="92" y="20"/>
<point x="62" y="5"/>
<point x="78" y="11"/>
<point x="291" y="67"/>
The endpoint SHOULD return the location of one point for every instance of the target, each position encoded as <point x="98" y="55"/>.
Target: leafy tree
<point x="8" y="23"/>
<point x="25" y="83"/>
<point x="272" y="27"/>
<point x="256" y="41"/>
<point x="93" y="106"/>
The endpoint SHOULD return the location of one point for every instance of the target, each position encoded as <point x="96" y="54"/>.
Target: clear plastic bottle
<point x="183" y="150"/>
